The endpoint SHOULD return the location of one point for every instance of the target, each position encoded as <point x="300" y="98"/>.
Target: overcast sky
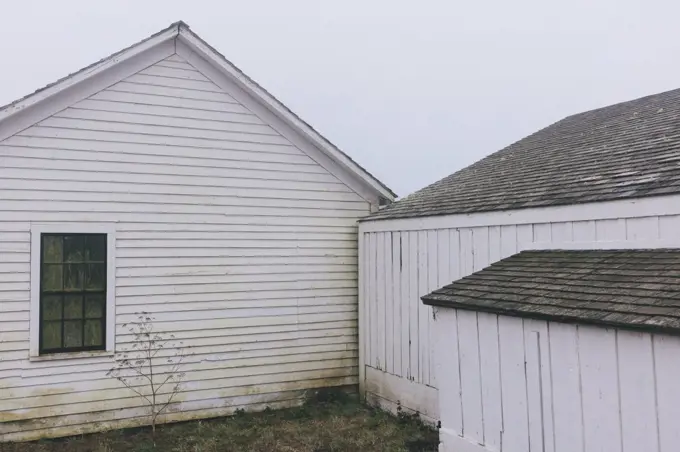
<point x="412" y="90"/>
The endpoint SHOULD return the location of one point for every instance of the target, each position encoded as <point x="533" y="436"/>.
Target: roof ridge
<point x="622" y="103"/>
<point x="634" y="147"/>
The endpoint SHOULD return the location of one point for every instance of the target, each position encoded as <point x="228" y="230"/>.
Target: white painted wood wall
<point x="235" y="240"/>
<point x="515" y="385"/>
<point x="402" y="260"/>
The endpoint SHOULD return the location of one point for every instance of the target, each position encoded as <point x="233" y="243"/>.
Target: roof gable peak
<point x="174" y="39"/>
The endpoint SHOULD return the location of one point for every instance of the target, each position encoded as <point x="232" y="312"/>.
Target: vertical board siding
<point x="597" y="356"/>
<point x="508" y="241"/>
<point x="550" y="386"/>
<point x="542" y="232"/>
<point x="466" y="257"/>
<point x="396" y="305"/>
<point x="584" y="231"/>
<point x="513" y="384"/>
<point x="480" y="248"/>
<point x="447" y="343"/>
<point x="372" y="302"/>
<point x="667" y="369"/>
<point x="637" y="391"/>
<point x="389" y="305"/>
<point x="562" y="232"/>
<point x="566" y="396"/>
<point x="380" y="294"/>
<point x="423" y="318"/>
<point x="669" y="226"/>
<point x="519" y="384"/>
<point x="454" y="255"/>
<point x="646" y="228"/>
<point x="432" y="284"/>
<point x="540" y="328"/>
<point x="236" y="240"/>
<point x="525" y="236"/>
<point x="610" y="230"/>
<point x="414" y="307"/>
<point x="364" y="308"/>
<point x="443" y="258"/>
<point x="534" y="388"/>
<point x="490" y="379"/>
<point x="404" y="331"/>
<point x="433" y="258"/>
<point x="494" y="244"/>
<point x="470" y="383"/>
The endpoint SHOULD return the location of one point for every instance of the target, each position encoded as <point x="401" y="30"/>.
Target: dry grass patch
<point x="321" y="426"/>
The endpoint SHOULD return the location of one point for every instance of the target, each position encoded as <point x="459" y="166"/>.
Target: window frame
<point x="37" y="231"/>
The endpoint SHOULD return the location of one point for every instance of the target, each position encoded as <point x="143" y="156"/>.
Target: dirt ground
<point x="319" y="426"/>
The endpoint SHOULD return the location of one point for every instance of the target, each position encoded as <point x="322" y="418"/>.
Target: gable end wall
<point x="234" y="239"/>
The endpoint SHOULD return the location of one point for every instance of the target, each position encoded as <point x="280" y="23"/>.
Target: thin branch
<point x="164" y="381"/>
<point x="147" y="347"/>
<point x="134" y="390"/>
<point x="172" y="396"/>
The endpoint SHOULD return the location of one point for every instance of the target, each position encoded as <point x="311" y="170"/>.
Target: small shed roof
<point x="623" y="288"/>
<point x="622" y="151"/>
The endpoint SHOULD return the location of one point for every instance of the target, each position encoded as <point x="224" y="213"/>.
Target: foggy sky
<point x="412" y="90"/>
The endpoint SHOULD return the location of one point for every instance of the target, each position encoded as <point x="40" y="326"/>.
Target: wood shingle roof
<point x="627" y="150"/>
<point x="637" y="289"/>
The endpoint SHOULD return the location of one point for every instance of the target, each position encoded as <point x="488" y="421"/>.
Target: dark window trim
<point x="103" y="320"/>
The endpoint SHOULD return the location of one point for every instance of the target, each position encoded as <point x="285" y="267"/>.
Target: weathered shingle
<point x="622" y="151"/>
<point x="624" y="288"/>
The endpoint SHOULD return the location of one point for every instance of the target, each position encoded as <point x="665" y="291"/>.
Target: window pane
<point x="73" y="292"/>
<point x="73" y="306"/>
<point x="51" y="307"/>
<point x="74" y="276"/>
<point x="95" y="279"/>
<point x="52" y="249"/>
<point x="94" y="336"/>
<point x="51" y="335"/>
<point x="74" y="246"/>
<point x="94" y="306"/>
<point x="95" y="248"/>
<point x="51" y="277"/>
<point x="73" y="333"/>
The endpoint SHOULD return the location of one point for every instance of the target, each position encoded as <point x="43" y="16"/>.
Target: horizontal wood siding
<point x="431" y="258"/>
<point x="236" y="241"/>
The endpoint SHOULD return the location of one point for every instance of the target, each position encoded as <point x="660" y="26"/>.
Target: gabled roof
<point x="180" y="32"/>
<point x="637" y="289"/>
<point x="627" y="150"/>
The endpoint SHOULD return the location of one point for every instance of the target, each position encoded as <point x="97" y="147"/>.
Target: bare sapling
<point x="150" y="367"/>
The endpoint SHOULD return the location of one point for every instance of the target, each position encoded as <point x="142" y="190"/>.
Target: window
<point x="73" y="292"/>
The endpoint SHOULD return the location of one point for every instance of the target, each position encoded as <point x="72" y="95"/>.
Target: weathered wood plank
<point x="599" y="381"/>
<point x="566" y="395"/>
<point x="637" y="391"/>
<point x="490" y="371"/>
<point x="513" y="384"/>
<point x="666" y="370"/>
<point x="397" y="332"/>
<point x="471" y="390"/>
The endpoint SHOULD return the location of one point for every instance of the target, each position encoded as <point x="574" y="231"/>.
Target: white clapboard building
<point x="162" y="179"/>
<point x="570" y="346"/>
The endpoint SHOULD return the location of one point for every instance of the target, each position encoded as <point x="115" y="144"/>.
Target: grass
<point x="322" y="425"/>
